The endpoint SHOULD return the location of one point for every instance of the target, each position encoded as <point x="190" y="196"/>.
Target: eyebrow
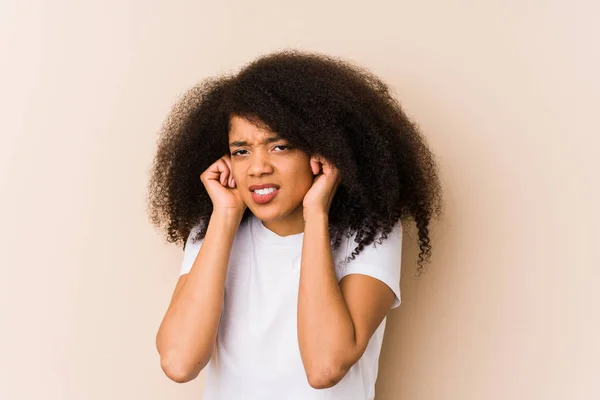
<point x="242" y="143"/>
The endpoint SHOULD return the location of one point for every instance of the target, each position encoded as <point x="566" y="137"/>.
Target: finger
<point x="330" y="169"/>
<point x="223" y="172"/>
<point x="334" y="173"/>
<point x="224" y="177"/>
<point x="315" y="165"/>
<point x="210" y="175"/>
<point x="227" y="160"/>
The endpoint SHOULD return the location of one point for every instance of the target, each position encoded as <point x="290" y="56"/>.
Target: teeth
<point x="263" y="192"/>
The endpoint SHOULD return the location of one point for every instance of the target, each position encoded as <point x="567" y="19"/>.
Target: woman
<point x="293" y="232"/>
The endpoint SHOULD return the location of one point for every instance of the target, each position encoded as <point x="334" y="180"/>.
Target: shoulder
<point x="380" y="259"/>
<point x="381" y="249"/>
<point x="192" y="246"/>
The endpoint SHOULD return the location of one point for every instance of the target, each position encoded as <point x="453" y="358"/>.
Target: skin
<point x="335" y="321"/>
<point x="259" y="156"/>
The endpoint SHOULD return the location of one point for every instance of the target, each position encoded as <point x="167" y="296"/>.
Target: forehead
<point x="242" y="129"/>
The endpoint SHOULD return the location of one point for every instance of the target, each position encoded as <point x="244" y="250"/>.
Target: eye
<point x="240" y="152"/>
<point x="281" y="147"/>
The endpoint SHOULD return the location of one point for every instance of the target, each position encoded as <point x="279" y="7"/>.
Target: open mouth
<point x="264" y="195"/>
<point x="264" y="192"/>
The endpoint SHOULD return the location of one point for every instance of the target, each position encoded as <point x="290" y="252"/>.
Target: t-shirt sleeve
<point x="190" y="252"/>
<point x="380" y="261"/>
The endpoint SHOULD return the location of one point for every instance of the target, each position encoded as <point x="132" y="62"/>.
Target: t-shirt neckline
<point x="270" y="238"/>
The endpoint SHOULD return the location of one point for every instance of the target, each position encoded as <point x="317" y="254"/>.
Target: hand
<point x="220" y="185"/>
<point x="325" y="184"/>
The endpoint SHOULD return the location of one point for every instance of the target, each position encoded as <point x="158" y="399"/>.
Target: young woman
<point x="288" y="183"/>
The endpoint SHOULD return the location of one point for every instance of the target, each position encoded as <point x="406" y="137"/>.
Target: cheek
<point x="304" y="179"/>
<point x="236" y="172"/>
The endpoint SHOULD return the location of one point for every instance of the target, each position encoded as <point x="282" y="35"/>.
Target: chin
<point x="266" y="215"/>
<point x="270" y="213"/>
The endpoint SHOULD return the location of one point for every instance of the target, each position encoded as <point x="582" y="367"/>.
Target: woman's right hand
<point x="221" y="187"/>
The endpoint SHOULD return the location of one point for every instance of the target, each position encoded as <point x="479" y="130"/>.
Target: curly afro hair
<point x="321" y="105"/>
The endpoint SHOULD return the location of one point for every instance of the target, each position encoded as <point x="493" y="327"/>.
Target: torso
<point x="257" y="353"/>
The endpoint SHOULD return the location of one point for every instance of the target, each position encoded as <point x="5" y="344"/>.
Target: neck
<point x="291" y="224"/>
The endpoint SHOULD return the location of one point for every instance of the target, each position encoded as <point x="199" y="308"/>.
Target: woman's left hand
<point x="324" y="186"/>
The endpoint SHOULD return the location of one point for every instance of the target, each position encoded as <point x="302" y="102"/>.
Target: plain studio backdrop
<point x="505" y="91"/>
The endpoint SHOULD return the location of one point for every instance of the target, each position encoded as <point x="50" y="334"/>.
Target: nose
<point x="260" y="164"/>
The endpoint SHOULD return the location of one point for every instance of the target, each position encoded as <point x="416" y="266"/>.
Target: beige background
<point x="506" y="92"/>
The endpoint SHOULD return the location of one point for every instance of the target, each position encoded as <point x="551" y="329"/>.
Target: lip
<point x="263" y="199"/>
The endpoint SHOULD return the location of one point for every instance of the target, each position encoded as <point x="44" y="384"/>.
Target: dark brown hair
<point x="321" y="105"/>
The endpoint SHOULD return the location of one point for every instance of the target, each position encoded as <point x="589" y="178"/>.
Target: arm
<point x="335" y="321"/>
<point x="188" y="333"/>
<point x="187" y="336"/>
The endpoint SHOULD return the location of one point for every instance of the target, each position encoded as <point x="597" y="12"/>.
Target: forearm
<point x="188" y="332"/>
<point x="325" y="330"/>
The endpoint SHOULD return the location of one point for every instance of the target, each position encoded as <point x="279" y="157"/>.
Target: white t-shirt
<point x="257" y="355"/>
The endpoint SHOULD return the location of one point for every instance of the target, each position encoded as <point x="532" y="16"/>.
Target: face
<point x="272" y="177"/>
